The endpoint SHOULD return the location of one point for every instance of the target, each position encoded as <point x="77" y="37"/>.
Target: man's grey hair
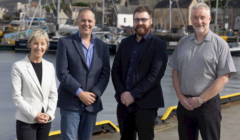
<point x="83" y="10"/>
<point x="201" y="6"/>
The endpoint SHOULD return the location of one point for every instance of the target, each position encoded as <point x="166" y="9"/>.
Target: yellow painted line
<point x="106" y="122"/>
<point x="58" y="132"/>
<point x="167" y="113"/>
<point x="231" y="95"/>
<point x="170" y="109"/>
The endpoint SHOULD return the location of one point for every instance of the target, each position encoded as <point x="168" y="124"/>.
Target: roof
<point x="181" y="3"/>
<point x="122" y="9"/>
<point x="234" y="3"/>
<point x="12" y="13"/>
<point x="62" y="14"/>
<point x="115" y="1"/>
<point x="77" y="8"/>
<point x="95" y="4"/>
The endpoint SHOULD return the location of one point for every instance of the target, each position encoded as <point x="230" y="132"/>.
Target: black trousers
<point x="207" y="118"/>
<point x="35" y="131"/>
<point x="134" y="120"/>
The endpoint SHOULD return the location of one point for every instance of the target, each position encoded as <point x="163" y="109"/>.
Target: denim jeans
<point x="75" y="123"/>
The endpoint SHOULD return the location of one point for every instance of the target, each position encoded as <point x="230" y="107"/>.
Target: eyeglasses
<point x="141" y="19"/>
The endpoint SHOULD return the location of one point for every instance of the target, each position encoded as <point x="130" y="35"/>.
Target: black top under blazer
<point x="149" y="69"/>
<point x="72" y="72"/>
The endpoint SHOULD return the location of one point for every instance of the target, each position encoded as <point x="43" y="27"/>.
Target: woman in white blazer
<point x="34" y="90"/>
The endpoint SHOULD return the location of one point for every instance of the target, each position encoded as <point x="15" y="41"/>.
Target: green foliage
<point x="213" y="3"/>
<point x="62" y="6"/>
<point x="48" y="9"/>
<point x="80" y="4"/>
<point x="8" y="17"/>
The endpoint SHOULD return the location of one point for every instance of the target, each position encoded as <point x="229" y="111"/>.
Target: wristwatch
<point x="200" y="100"/>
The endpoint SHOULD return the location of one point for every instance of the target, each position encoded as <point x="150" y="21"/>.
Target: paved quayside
<point x="168" y="131"/>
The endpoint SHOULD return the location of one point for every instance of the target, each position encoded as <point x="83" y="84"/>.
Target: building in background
<point x="123" y="15"/>
<point x="2" y="12"/>
<point x="97" y="8"/>
<point x="30" y="10"/>
<point x="162" y="12"/>
<point x="72" y="13"/>
<point x="232" y="15"/>
<point x="148" y="3"/>
<point x="63" y="18"/>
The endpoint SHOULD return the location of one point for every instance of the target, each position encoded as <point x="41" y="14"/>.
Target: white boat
<point x="65" y="29"/>
<point x="234" y="47"/>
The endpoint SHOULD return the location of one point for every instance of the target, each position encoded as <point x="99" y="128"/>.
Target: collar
<point x="92" y="37"/>
<point x="28" y="62"/>
<point x="208" y="37"/>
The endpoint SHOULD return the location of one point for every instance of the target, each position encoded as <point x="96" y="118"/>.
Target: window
<point x="164" y="18"/>
<point x="124" y="20"/>
<point x="176" y="18"/>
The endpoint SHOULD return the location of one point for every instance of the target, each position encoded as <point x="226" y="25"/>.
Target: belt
<point x="190" y="96"/>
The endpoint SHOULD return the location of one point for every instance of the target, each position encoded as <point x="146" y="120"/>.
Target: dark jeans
<point x="133" y="119"/>
<point x="35" y="131"/>
<point x="207" y="118"/>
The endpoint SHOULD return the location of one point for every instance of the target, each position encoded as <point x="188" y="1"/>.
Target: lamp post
<point x="103" y="13"/>
<point x="216" y="17"/>
<point x="58" y="11"/>
<point x="227" y="16"/>
<point x="170" y="15"/>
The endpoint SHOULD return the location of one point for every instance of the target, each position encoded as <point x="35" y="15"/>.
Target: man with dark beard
<point x="137" y="70"/>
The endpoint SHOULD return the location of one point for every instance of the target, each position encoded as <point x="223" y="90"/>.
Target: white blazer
<point x="28" y="95"/>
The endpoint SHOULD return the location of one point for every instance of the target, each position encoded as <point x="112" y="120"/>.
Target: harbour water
<point x="7" y="108"/>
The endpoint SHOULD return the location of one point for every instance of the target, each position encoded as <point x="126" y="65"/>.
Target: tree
<point x="213" y="3"/>
<point x="8" y="17"/>
<point x="62" y="6"/>
<point x="48" y="9"/>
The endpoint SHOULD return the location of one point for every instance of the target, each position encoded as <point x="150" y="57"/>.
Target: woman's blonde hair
<point x="40" y="33"/>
